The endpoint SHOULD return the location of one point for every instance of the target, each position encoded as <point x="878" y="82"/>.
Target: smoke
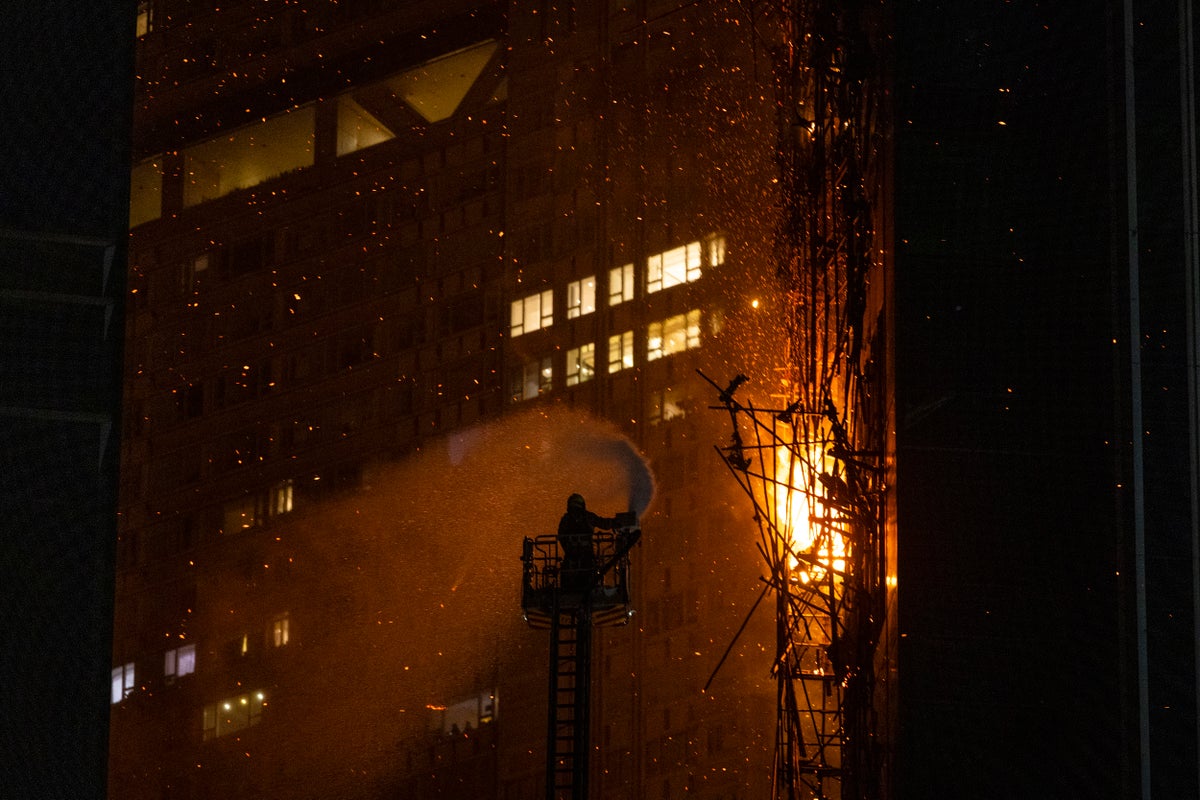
<point x="624" y="459"/>
<point x="554" y="452"/>
<point x="416" y="579"/>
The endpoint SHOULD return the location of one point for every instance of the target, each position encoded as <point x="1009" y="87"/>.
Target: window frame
<point x="620" y="284"/>
<point x="179" y="661"/>
<point x="664" y="405"/>
<point x="581" y="364"/>
<point x="281" y="631"/>
<point x="535" y="379"/>
<point x="620" y="345"/>
<point x="530" y="313"/>
<point x="674" y="267"/>
<point x="124" y="681"/>
<point x="581" y="297"/>
<point x="211" y="726"/>
<point x="676" y="334"/>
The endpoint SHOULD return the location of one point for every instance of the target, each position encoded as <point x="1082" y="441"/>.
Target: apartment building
<point x="402" y="277"/>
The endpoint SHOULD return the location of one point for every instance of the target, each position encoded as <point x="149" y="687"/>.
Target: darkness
<point x="1007" y="545"/>
<point x="1016" y="662"/>
<point x="65" y="71"/>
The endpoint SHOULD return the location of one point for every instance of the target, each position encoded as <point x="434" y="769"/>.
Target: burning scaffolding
<point x="813" y="462"/>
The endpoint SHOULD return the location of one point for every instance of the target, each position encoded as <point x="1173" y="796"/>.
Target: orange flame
<point x="804" y="520"/>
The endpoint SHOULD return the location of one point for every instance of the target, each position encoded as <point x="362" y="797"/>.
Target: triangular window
<point x="436" y="88"/>
<point x="356" y="128"/>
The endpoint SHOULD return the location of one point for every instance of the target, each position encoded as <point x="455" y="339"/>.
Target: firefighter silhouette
<point x="576" y="531"/>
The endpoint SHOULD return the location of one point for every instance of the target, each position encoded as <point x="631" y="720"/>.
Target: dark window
<point x="463" y="313"/>
<point x="190" y="401"/>
<point x="249" y="255"/>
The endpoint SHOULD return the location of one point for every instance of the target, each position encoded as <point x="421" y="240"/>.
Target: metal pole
<point x="551" y="703"/>
<point x="1191" y="266"/>
<point x="1135" y="407"/>
<point x="583" y="699"/>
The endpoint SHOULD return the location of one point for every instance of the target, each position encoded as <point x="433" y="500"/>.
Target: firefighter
<point x="575" y="532"/>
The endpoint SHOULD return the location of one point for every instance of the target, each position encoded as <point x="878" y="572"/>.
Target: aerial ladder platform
<point x="569" y="601"/>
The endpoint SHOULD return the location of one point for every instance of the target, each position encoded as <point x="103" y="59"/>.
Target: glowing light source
<point x="808" y="525"/>
<point x="249" y="155"/>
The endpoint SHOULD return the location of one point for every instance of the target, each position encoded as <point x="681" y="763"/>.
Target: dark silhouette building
<point x="1045" y="228"/>
<point x="64" y="179"/>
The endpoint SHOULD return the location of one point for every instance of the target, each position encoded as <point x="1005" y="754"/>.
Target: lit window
<point x="145" y="18"/>
<point x="536" y="378"/>
<point x="253" y="509"/>
<point x="436" y="88"/>
<point x="545" y="377"/>
<point x="673" y="335"/>
<point x="357" y="128"/>
<point x="280" y="631"/>
<point x="122" y="682"/>
<point x="248" y="156"/>
<point x="179" y="661"/>
<point x="532" y="313"/>
<point x="620" y="352"/>
<point x="281" y="498"/>
<point x="581" y="364"/>
<point x="673" y="267"/>
<point x="232" y="714"/>
<point x="620" y="284"/>
<point x="464" y="715"/>
<point x="654" y="341"/>
<point x="145" y="191"/>
<point x="714" y="250"/>
<point x="581" y="297"/>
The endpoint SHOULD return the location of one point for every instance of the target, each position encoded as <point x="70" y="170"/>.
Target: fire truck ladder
<point x="570" y="605"/>
<point x="569" y="720"/>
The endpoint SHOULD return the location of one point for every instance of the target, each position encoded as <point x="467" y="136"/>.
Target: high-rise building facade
<point x="403" y="276"/>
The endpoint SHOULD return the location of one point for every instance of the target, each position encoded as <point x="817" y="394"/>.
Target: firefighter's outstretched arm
<point x="603" y="523"/>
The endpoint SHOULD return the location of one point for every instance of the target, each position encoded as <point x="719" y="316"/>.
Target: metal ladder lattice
<point x="570" y="646"/>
